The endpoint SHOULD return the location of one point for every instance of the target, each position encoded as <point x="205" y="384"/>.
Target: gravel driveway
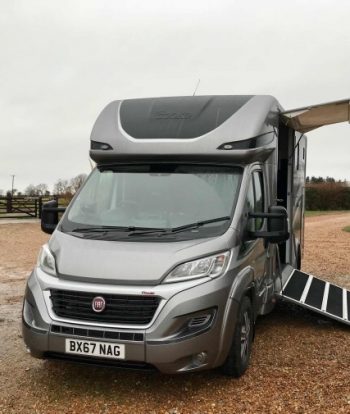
<point x="300" y="363"/>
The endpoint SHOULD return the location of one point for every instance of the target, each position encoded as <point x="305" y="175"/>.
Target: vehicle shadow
<point x="63" y="380"/>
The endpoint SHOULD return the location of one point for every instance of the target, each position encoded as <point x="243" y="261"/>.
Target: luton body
<point x="179" y="239"/>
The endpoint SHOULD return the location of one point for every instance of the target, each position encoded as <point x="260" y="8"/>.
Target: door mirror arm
<point x="277" y="225"/>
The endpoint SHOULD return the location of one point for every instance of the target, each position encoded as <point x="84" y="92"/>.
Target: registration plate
<point x="96" y="349"/>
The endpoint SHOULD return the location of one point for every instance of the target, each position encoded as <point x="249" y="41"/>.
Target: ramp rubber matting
<point x="317" y="295"/>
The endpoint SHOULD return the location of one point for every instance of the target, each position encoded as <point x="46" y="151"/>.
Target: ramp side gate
<point x="317" y="295"/>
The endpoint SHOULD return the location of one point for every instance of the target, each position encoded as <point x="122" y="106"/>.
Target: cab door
<point x="255" y="252"/>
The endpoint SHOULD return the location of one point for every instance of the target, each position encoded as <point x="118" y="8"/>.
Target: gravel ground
<point x="300" y="363"/>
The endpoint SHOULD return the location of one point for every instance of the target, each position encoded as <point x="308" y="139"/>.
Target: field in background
<point x="311" y="213"/>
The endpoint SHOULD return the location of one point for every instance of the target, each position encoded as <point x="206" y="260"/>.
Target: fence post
<point x="40" y="206"/>
<point x="9" y="203"/>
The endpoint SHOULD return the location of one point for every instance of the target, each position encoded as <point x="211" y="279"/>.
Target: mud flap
<point x="317" y="295"/>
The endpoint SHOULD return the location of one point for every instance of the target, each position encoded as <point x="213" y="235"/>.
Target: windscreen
<point x="155" y="196"/>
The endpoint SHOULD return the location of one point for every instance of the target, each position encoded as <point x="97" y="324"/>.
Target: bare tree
<point x="41" y="189"/>
<point x="30" y="190"/>
<point x="61" y="187"/>
<point x="10" y="192"/>
<point x="36" y="190"/>
<point x="76" y="182"/>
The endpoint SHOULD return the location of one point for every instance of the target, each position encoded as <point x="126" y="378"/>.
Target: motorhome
<point x="190" y="226"/>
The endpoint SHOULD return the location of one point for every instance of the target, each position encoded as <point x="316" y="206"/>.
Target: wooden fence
<point x="23" y="206"/>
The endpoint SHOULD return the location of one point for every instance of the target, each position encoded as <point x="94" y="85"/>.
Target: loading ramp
<point x="317" y="295"/>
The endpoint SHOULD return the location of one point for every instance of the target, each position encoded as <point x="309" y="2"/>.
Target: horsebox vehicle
<point x="189" y="227"/>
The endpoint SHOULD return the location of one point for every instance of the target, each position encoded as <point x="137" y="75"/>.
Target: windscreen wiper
<point x="173" y="230"/>
<point x="100" y="229"/>
<point x="110" y="229"/>
<point x="162" y="232"/>
<point x="139" y="231"/>
<point x="198" y="224"/>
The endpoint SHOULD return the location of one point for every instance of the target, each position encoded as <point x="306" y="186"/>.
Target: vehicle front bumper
<point x="166" y="343"/>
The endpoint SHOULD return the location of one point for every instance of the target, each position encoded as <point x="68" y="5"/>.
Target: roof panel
<point x="177" y="117"/>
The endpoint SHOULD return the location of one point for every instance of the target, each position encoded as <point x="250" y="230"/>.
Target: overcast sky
<point x="63" y="61"/>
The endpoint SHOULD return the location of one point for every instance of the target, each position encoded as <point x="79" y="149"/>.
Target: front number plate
<point x="96" y="349"/>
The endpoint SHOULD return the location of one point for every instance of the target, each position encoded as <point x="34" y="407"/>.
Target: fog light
<point x="200" y="358"/>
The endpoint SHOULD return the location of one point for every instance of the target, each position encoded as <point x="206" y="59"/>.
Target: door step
<point x="317" y="295"/>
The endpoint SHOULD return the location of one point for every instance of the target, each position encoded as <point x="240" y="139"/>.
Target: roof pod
<point x="193" y="127"/>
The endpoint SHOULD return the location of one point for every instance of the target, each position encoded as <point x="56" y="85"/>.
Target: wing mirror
<point x="277" y="225"/>
<point x="49" y="216"/>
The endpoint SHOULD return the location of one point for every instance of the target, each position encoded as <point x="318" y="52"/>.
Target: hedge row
<point x="327" y="196"/>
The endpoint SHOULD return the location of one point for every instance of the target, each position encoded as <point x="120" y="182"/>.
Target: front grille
<point x="120" y="309"/>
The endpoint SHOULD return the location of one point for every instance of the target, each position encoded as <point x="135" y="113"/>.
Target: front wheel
<point x="238" y="358"/>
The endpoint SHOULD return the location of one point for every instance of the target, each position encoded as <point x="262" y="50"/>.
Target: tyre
<point x="239" y="355"/>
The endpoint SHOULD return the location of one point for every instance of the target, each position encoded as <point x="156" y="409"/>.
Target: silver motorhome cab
<point x="185" y="231"/>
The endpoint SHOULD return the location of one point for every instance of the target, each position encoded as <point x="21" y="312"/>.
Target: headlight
<point x="46" y="261"/>
<point x="212" y="266"/>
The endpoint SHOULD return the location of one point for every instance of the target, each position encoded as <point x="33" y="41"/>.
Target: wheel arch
<point x="242" y="285"/>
